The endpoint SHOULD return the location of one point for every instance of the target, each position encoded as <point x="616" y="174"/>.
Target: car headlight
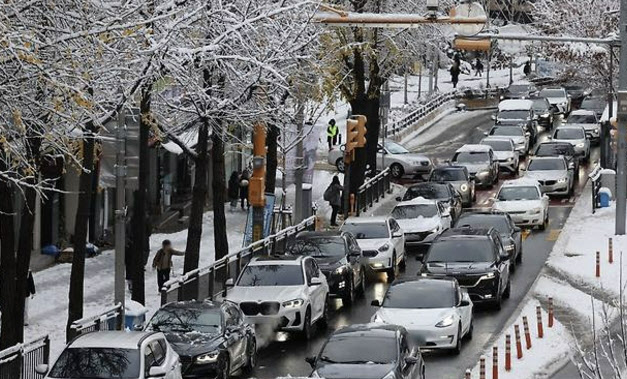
<point x="510" y="247"/>
<point x="536" y="211"/>
<point x="483" y="173"/>
<point x="208" y="358"/>
<point x="447" y="321"/>
<point x="464" y="187"/>
<point x="435" y="230"/>
<point x="580" y="144"/>
<point x="563" y="180"/>
<point x="391" y="375"/>
<point x="489" y="275"/>
<point x="340" y="270"/>
<point x="545" y="115"/>
<point x="377" y="318"/>
<point x="385" y="247"/>
<point x="510" y="159"/>
<point x="296" y="303"/>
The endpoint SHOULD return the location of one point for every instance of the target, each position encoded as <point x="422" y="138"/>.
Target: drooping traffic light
<point x="257" y="185"/>
<point x="352" y="134"/>
<point x="472" y="44"/>
<point x="361" y="130"/>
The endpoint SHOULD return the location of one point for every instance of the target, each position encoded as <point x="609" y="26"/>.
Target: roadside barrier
<point x="519" y="350"/>
<point x="468" y="373"/>
<point x="527" y="334"/>
<point x="598" y="267"/>
<point x="610" y="251"/>
<point x="495" y="362"/>
<point x="371" y="191"/>
<point x="508" y="352"/>
<point x="551" y="316"/>
<point x="482" y="367"/>
<point x="539" y="318"/>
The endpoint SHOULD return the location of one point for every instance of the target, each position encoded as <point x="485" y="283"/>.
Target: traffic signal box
<point x="256" y="184"/>
<point x="355" y="136"/>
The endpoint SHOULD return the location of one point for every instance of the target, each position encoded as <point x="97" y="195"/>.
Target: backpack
<point x="328" y="193"/>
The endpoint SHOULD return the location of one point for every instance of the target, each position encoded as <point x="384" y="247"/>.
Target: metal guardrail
<point x="595" y="181"/>
<point x="109" y="319"/>
<point x="427" y="108"/>
<point x="372" y="190"/>
<point x="20" y="361"/>
<point x="209" y="281"/>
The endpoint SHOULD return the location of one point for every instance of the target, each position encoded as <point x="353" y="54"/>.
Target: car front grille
<point x="466" y="281"/>
<point x="370" y="253"/>
<point x="547" y="182"/>
<point x="424" y="163"/>
<point x="266" y="308"/>
<point x="517" y="212"/>
<point x="416" y="237"/>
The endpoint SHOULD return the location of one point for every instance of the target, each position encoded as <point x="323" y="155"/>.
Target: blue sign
<point x="268" y="210"/>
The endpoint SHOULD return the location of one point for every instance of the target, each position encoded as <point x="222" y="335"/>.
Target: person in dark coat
<point x="478" y="67"/>
<point x="233" y="190"/>
<point x="30" y="292"/>
<point x="455" y="73"/>
<point x="243" y="189"/>
<point x="333" y="195"/>
<point x="527" y="68"/>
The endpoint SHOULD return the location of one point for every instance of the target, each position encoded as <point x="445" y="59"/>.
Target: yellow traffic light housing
<point x="257" y="182"/>
<point x="361" y="130"/>
<point x="352" y="134"/>
<point x="472" y="44"/>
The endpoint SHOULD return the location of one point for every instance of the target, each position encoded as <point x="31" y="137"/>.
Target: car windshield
<point x="513" y="114"/>
<point x="271" y="275"/>
<point x="593" y="104"/>
<point x="319" y="246"/>
<point x="429" y="191"/>
<point x="563" y="133"/>
<point x="186" y="319"/>
<point x="540" y="105"/>
<point x="356" y="349"/>
<point x="517" y="88"/>
<point x="553" y="149"/>
<point x="546" y="164"/>
<point x="581" y="119"/>
<point x="499" y="145"/>
<point x="471" y="157"/>
<point x="97" y="363"/>
<point x="394" y="148"/>
<point x="507" y="131"/>
<point x="552" y="93"/>
<point x="364" y="231"/>
<point x="477" y="221"/>
<point x="518" y="193"/>
<point x="421" y="294"/>
<point x="402" y="212"/>
<point x="461" y="250"/>
<point x="448" y="175"/>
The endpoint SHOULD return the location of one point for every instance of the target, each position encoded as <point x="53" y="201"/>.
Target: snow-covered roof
<point x="582" y="112"/>
<point x="474" y="148"/>
<point x="496" y="138"/>
<point x="515" y="105"/>
<point x="520" y="182"/>
<point x="367" y="220"/>
<point x="522" y="83"/>
<point x="188" y="137"/>
<point x="570" y="126"/>
<point x="110" y="339"/>
<point x="417" y="201"/>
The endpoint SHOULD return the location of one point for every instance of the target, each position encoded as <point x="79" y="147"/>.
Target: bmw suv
<point x="476" y="258"/>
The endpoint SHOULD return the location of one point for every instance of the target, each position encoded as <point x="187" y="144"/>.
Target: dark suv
<point x="339" y="257"/>
<point x="555" y="149"/>
<point x="511" y="235"/>
<point x="476" y="258"/>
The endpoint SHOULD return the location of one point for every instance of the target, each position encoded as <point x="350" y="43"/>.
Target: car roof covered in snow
<point x="515" y="105"/>
<point x="110" y="339"/>
<point x="520" y="182"/>
<point x="474" y="148"/>
<point x="497" y="138"/>
<point x="583" y="112"/>
<point x="417" y="201"/>
<point x="367" y="220"/>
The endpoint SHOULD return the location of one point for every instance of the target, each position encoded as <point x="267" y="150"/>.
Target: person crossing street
<point x="332" y="132"/>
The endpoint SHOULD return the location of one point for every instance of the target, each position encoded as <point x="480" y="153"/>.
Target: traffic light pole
<point x="120" y="214"/>
<point x="621" y="177"/>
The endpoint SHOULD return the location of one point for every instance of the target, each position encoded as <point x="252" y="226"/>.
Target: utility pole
<point x="120" y="214"/>
<point x="430" y="55"/>
<point x="298" y="172"/>
<point x="256" y="186"/>
<point x="621" y="177"/>
<point x="406" y="75"/>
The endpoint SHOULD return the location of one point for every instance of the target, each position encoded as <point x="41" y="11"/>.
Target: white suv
<point x="382" y="242"/>
<point x="523" y="200"/>
<point x="289" y="293"/>
<point x="138" y="355"/>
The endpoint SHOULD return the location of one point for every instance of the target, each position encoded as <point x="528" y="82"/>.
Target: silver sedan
<point x="576" y="136"/>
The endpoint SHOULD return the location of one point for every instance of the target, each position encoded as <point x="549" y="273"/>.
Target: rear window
<point x="448" y="175"/>
<point x="500" y="223"/>
<point x="364" y="230"/>
<point x="271" y="275"/>
<point x="540" y="105"/>
<point x="420" y="295"/>
<point x="97" y="363"/>
<point x="517" y="115"/>
<point x="581" y="119"/>
<point x="552" y="93"/>
<point x="546" y="164"/>
<point x="431" y="191"/>
<point x="507" y="131"/>
<point x="461" y="250"/>
<point x="569" y="134"/>
<point x="471" y="157"/>
<point x="403" y="212"/>
<point x="499" y="145"/>
<point x="551" y="149"/>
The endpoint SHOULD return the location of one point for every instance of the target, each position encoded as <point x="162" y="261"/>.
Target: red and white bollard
<point x="610" y="251"/>
<point x="467" y="376"/>
<point x="482" y="367"/>
<point x="519" y="350"/>
<point x="598" y="267"/>
<point x="508" y="352"/>
<point x="539" y="317"/>
<point x="495" y="362"/>
<point x="527" y="334"/>
<point x="551" y="316"/>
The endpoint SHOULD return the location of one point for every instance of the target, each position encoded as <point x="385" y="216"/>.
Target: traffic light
<point x="256" y="184"/>
<point x="472" y="44"/>
<point x="361" y="130"/>
<point x="352" y="133"/>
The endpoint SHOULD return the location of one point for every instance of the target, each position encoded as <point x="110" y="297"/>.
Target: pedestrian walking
<point x="243" y="189"/>
<point x="478" y="68"/>
<point x="163" y="262"/>
<point x="30" y="293"/>
<point x="455" y="74"/>
<point x="527" y="68"/>
<point x="332" y="132"/>
<point x="233" y="190"/>
<point x="333" y="194"/>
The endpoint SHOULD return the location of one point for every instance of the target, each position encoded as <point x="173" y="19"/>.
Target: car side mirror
<point x="464" y="303"/>
<point x="229" y="282"/>
<point x="527" y="134"/>
<point x="311" y="361"/>
<point x="157" y="372"/>
<point x="486" y="133"/>
<point x="545" y="197"/>
<point x="355" y="254"/>
<point x="535" y="117"/>
<point x="398" y="198"/>
<point x="397" y="234"/>
<point x="517" y="229"/>
<point x="493" y="117"/>
<point x="549" y="137"/>
<point x="375" y="303"/>
<point x="41" y="369"/>
<point x="504" y="257"/>
<point x="411" y="360"/>
<point x="315" y="281"/>
<point x="571" y="165"/>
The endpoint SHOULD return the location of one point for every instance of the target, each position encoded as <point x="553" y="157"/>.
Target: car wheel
<point x="339" y="163"/>
<point x="306" y="332"/>
<point x="392" y="270"/>
<point x="324" y="320"/>
<point x="403" y="264"/>
<point x="545" y="223"/>
<point x="226" y="368"/>
<point x="397" y="170"/>
<point x="349" y="295"/>
<point x="519" y="256"/>
<point x="498" y="302"/>
<point x="512" y="266"/>
<point x="508" y="290"/>
<point x="458" y="346"/>
<point x="252" y="357"/>
<point x="362" y="283"/>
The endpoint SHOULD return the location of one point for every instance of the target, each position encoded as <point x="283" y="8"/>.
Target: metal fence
<point x="20" y="361"/>
<point x="109" y="319"/>
<point x="372" y="190"/>
<point x="207" y="282"/>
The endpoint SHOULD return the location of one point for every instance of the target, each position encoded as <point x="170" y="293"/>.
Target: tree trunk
<point x="9" y="335"/>
<point x="271" y="156"/>
<point x="199" y="196"/>
<point x="77" y="276"/>
<point x="365" y="155"/>
<point x="221" y="243"/>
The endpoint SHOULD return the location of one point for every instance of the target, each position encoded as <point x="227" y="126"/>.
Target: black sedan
<point x="339" y="257"/>
<point x="211" y="338"/>
<point x="445" y="193"/>
<point x="544" y="112"/>
<point x="511" y="235"/>
<point x="476" y="258"/>
<point x="368" y="351"/>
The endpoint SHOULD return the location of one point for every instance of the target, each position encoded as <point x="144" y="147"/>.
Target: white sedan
<point x="523" y="200"/>
<point x="382" y="242"/>
<point x="436" y="312"/>
<point x="422" y="221"/>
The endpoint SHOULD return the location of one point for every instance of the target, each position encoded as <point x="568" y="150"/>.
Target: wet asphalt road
<point x="285" y="354"/>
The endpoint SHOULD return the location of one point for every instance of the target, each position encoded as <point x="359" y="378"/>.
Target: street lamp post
<point x="621" y="177"/>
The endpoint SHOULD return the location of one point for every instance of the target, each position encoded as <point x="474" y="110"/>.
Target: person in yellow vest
<point x="332" y="132"/>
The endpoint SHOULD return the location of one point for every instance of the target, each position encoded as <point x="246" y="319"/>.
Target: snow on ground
<point x="555" y="345"/>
